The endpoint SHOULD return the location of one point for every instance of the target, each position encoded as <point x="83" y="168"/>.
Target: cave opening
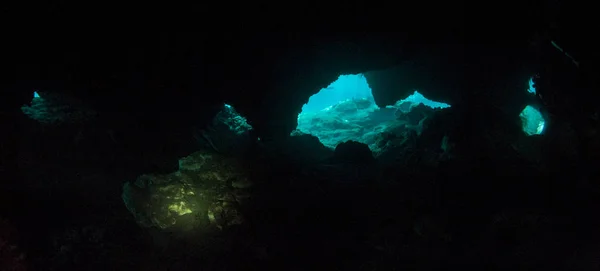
<point x="531" y="88"/>
<point x="532" y="121"/>
<point x="346" y="110"/>
<point x="233" y="120"/>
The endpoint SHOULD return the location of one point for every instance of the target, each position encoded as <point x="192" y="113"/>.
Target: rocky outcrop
<point x="206" y="190"/>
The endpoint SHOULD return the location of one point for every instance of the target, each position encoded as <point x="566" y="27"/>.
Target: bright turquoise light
<point x="35" y="94"/>
<point x="531" y="86"/>
<point x="532" y="121"/>
<point x="417" y="98"/>
<point x="352" y="86"/>
<point x="346" y="110"/>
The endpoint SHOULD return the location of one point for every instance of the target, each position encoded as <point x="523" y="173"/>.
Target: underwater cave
<point x="375" y="175"/>
<point x="346" y="110"/>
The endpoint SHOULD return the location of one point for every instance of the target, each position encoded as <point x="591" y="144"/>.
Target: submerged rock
<point x="190" y="198"/>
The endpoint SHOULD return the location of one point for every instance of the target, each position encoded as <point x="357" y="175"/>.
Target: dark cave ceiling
<point x="182" y="78"/>
<point x="186" y="80"/>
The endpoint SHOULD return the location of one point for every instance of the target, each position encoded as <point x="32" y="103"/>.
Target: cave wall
<point x="301" y="70"/>
<point x="151" y="87"/>
<point x="435" y="71"/>
<point x="267" y="69"/>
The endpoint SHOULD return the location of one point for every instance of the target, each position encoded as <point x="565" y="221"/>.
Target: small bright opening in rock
<point x="232" y="119"/>
<point x="346" y="110"/>
<point x="417" y="98"/>
<point x="532" y="121"/>
<point x="346" y="87"/>
<point x="531" y="88"/>
<point x="35" y="94"/>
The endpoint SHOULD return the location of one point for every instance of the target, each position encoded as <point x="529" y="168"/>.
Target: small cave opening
<point x="233" y="120"/>
<point x="54" y="108"/>
<point x="532" y="121"/>
<point x="346" y="111"/>
<point x="228" y="133"/>
<point x="531" y="88"/>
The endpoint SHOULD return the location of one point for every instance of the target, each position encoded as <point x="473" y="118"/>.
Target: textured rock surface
<point x="471" y="190"/>
<point x="198" y="194"/>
